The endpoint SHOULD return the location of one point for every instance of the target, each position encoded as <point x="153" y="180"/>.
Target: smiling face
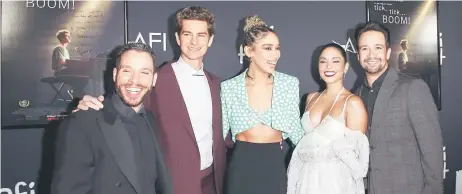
<point x="194" y="40"/>
<point x="373" y="53"/>
<point x="265" y="53"/>
<point x="134" y="77"/>
<point x="332" y="65"/>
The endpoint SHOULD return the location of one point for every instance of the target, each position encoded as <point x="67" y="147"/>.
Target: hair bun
<point x="253" y="21"/>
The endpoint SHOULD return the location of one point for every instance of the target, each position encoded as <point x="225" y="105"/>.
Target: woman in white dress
<point x="333" y="155"/>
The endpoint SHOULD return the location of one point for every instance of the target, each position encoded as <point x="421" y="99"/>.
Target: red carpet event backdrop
<point x="32" y="94"/>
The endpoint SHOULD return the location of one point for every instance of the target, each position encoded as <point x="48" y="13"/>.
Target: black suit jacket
<point x="94" y="154"/>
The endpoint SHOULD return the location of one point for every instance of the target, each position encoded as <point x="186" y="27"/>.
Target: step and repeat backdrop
<point x="301" y="26"/>
<point x="31" y="96"/>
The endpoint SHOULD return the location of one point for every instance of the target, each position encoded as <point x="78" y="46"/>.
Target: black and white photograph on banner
<point x="414" y="38"/>
<point x="52" y="53"/>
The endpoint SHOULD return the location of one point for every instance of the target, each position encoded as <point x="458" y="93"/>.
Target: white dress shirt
<point x="196" y="94"/>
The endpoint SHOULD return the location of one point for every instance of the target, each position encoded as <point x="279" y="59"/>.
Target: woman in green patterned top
<point x="260" y="110"/>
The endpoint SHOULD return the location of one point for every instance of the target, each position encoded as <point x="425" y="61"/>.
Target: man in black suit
<point x="115" y="150"/>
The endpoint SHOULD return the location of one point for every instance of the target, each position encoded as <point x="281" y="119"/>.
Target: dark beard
<point x="126" y="101"/>
<point x="379" y="69"/>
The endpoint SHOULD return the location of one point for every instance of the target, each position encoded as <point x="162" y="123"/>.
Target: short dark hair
<point x="196" y="13"/>
<point x="140" y="47"/>
<point x="338" y="47"/>
<point x="372" y="26"/>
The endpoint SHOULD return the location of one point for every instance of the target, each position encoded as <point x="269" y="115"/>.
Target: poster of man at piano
<point x="54" y="53"/>
<point x="414" y="38"/>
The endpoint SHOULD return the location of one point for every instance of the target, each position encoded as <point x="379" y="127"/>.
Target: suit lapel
<point x="120" y="144"/>
<point x="181" y="107"/>
<point x="385" y="92"/>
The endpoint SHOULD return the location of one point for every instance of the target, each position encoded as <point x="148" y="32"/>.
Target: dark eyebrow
<point x="360" y="46"/>
<point x="201" y="33"/>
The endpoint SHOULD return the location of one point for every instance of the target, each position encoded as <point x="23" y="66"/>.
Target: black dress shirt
<point x="369" y="95"/>
<point x="143" y="144"/>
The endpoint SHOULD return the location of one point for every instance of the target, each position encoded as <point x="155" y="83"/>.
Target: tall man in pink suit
<point x="186" y="101"/>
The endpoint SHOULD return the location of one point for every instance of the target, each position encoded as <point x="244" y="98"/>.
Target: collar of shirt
<point x="186" y="69"/>
<point x="125" y="110"/>
<point x="377" y="83"/>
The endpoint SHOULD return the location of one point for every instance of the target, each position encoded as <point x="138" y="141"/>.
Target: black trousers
<point x="256" y="168"/>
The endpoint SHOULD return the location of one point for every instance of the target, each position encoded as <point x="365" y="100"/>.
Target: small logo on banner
<point x="349" y="46"/>
<point x="20" y="188"/>
<point x="24" y="103"/>
<point x="441" y="49"/>
<point x="445" y="170"/>
<point x="153" y="37"/>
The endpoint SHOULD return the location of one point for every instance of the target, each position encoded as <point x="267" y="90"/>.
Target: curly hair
<point x="196" y="13"/>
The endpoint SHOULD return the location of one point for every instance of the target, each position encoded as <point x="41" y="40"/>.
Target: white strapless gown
<point x="329" y="159"/>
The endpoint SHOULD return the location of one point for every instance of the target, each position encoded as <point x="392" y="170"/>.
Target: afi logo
<point x="20" y="188"/>
<point x="349" y="47"/>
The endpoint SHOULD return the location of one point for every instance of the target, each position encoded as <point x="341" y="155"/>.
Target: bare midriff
<point x="260" y="133"/>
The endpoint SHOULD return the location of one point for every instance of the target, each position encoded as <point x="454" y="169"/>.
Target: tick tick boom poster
<point x="52" y="52"/>
<point x="414" y="39"/>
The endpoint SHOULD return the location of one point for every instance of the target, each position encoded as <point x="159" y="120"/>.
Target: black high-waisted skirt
<point x="256" y="168"/>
